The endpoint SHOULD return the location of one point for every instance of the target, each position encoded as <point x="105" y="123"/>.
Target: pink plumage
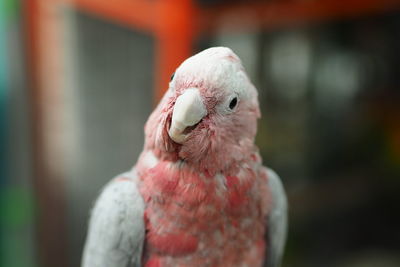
<point x="208" y="201"/>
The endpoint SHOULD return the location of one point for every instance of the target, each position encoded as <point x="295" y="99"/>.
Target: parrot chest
<point x="194" y="220"/>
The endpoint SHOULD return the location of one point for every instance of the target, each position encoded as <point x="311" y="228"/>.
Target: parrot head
<point x="208" y="116"/>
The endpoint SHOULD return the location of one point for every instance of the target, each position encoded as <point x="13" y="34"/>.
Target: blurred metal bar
<point x="49" y="189"/>
<point x="174" y="40"/>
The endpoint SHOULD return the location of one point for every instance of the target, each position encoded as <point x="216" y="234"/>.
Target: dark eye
<point x="233" y="103"/>
<point x="172" y="76"/>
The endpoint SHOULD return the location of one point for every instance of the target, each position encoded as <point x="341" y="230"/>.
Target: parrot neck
<point x="162" y="171"/>
<point x="212" y="163"/>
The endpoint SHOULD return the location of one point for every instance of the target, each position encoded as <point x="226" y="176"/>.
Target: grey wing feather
<point x="277" y="221"/>
<point x="116" y="228"/>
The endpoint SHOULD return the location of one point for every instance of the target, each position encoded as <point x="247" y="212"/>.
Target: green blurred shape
<point x="16" y="205"/>
<point x="16" y="227"/>
<point x="10" y="8"/>
<point x="16" y="202"/>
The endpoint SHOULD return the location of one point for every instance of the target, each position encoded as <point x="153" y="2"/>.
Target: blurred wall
<point x="110" y="79"/>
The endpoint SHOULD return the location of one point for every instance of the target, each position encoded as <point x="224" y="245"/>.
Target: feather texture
<point x="116" y="229"/>
<point x="277" y="220"/>
<point x="204" y="199"/>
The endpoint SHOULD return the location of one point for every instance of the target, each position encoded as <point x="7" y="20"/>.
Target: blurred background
<point x="78" y="80"/>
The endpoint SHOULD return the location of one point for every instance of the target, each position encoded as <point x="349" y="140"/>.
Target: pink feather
<point x="206" y="199"/>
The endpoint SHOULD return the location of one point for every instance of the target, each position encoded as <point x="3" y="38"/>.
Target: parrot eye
<point x="172" y="76"/>
<point x="233" y="103"/>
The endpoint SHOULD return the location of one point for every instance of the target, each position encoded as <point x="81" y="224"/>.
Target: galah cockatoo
<point x="199" y="194"/>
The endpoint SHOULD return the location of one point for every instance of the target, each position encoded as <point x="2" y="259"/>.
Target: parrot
<point x="199" y="194"/>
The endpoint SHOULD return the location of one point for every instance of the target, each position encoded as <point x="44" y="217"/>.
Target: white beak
<point x="188" y="110"/>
